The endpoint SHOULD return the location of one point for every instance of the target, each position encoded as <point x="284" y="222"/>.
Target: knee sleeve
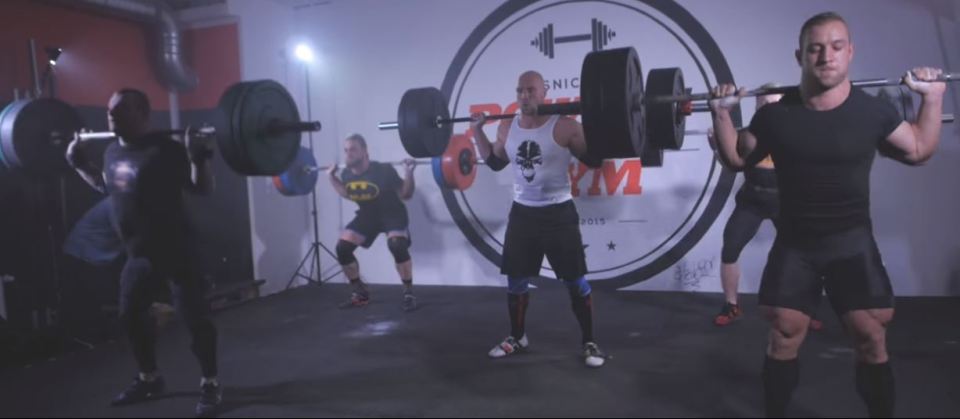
<point x="730" y="254"/>
<point x="735" y="238"/>
<point x="398" y="247"/>
<point x="345" y="252"/>
<point x="740" y="229"/>
<point x="518" y="286"/>
<point x="580" y="286"/>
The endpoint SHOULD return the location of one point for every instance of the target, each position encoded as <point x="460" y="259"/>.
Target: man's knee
<point x="869" y="332"/>
<point x="579" y="287"/>
<point x="788" y="328"/>
<point x="345" y="251"/>
<point x="399" y="247"/>
<point x="518" y="286"/>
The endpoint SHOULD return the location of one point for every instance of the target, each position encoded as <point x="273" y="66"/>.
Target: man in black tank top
<point x="145" y="175"/>
<point x="379" y="193"/>
<point x="823" y="137"/>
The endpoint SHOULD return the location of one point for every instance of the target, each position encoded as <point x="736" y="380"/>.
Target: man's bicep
<point x="746" y="142"/>
<point x="750" y="149"/>
<point x="577" y="140"/>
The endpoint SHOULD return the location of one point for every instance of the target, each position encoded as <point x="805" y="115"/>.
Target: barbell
<point x="31" y="132"/>
<point x="610" y="82"/>
<point x="622" y="116"/>
<point x="257" y="127"/>
<point x="454" y="169"/>
<point x="763" y="91"/>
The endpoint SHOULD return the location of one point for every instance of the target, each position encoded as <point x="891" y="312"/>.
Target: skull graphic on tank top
<point x="529" y="156"/>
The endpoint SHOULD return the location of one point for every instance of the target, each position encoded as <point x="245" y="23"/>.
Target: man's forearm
<point x="727" y="139"/>
<point x="91" y="174"/>
<point x="484" y="147"/>
<point x="202" y="177"/>
<point x="338" y="186"/>
<point x="406" y="191"/>
<point x="928" y="126"/>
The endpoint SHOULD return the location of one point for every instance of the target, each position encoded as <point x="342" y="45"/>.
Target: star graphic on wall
<point x="611" y="245"/>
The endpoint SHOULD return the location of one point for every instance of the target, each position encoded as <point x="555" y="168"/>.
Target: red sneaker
<point x="728" y="314"/>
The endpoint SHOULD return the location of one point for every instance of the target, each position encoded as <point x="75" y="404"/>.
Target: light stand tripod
<point x="313" y="253"/>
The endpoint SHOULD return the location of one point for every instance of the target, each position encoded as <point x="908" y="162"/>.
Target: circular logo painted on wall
<point x="636" y="221"/>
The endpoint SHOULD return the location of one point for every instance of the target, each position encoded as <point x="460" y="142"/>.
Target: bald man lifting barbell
<point x="543" y="220"/>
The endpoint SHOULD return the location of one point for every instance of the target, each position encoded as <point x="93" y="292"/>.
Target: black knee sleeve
<point x="780" y="379"/>
<point x="740" y="229"/>
<point x="876" y="386"/>
<point x="398" y="247"/>
<point x="345" y="252"/>
<point x="729" y="254"/>
<point x="204" y="345"/>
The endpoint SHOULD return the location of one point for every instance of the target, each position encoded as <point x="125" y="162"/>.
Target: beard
<point x="829" y="80"/>
<point x="529" y="109"/>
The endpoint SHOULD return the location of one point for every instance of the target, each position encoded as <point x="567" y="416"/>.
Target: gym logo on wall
<point x="528" y="158"/>
<point x="361" y="190"/>
<point x="637" y="219"/>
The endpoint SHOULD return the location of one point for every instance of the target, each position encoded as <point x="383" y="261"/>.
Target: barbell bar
<point x="257" y="127"/>
<point x="455" y="169"/>
<point x="763" y="91"/>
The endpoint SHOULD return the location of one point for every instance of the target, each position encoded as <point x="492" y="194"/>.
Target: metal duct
<point x="169" y="64"/>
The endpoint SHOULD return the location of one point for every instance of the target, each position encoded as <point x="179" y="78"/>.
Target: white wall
<point x="268" y="33"/>
<point x="372" y="51"/>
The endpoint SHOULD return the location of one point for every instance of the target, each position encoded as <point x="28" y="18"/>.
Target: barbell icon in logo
<point x="600" y="35"/>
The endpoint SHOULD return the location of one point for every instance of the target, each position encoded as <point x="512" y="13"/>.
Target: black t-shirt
<point x="145" y="180"/>
<point x="374" y="190"/>
<point x="823" y="159"/>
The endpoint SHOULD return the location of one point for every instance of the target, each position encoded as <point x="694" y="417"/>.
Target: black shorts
<point x="371" y="224"/>
<point x="762" y="201"/>
<point x="847" y="265"/>
<point x="552" y="231"/>
<point x="753" y="206"/>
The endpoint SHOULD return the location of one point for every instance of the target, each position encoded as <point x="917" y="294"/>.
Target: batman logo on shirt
<point x="361" y="190"/>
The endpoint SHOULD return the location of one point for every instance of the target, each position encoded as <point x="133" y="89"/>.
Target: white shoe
<point x="593" y="357"/>
<point x="509" y="346"/>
